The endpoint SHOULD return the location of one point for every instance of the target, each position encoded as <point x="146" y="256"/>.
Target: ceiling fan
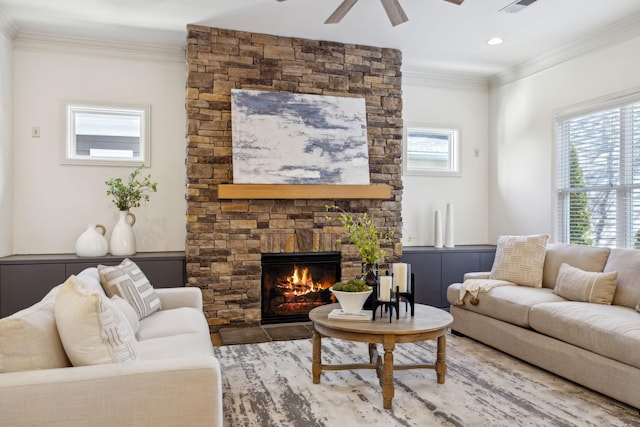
<point x="392" y="7"/>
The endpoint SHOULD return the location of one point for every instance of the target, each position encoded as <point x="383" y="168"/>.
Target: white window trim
<point x="69" y="147"/>
<point x="455" y="167"/>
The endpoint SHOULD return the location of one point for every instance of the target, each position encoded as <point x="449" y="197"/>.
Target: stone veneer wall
<point x="225" y="238"/>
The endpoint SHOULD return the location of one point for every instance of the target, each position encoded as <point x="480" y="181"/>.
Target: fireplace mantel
<point x="303" y="191"/>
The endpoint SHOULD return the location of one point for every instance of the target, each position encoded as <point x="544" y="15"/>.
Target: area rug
<point x="270" y="384"/>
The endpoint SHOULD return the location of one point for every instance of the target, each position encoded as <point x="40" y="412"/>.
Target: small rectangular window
<point x="115" y="135"/>
<point x="431" y="151"/>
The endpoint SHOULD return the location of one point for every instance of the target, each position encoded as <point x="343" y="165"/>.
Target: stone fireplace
<point x="226" y="238"/>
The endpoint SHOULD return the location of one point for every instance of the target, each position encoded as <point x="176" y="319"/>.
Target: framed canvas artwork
<point x="289" y="138"/>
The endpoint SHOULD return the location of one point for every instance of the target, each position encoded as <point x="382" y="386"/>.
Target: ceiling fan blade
<point x="458" y="2"/>
<point x="394" y="12"/>
<point x="340" y="12"/>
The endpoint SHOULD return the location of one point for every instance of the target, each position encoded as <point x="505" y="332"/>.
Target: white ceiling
<point x="440" y="37"/>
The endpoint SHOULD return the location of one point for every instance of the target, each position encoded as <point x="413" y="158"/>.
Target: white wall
<point x="522" y="144"/>
<point x="464" y="107"/>
<point x="6" y="153"/>
<point x="54" y="203"/>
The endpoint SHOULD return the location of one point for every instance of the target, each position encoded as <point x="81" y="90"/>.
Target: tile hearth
<point x="264" y="333"/>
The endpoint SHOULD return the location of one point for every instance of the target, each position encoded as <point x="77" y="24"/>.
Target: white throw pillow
<point x="575" y="284"/>
<point x="29" y="339"/>
<point x="520" y="259"/>
<point x="129" y="282"/>
<point x="91" y="329"/>
<point x="128" y="312"/>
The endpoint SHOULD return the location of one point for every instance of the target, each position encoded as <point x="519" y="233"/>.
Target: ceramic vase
<point x="123" y="238"/>
<point x="92" y="242"/>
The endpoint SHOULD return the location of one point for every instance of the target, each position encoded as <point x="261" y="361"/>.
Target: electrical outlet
<point x="35" y="132"/>
<point x="476" y="152"/>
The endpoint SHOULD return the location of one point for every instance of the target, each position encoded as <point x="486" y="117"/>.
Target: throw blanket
<point x="474" y="286"/>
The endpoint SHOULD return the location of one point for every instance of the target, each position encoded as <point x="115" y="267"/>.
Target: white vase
<point x="437" y="231"/>
<point x="123" y="238"/>
<point x="448" y="231"/>
<point x="92" y="242"/>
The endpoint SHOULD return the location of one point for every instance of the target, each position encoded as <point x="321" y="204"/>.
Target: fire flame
<point x="300" y="282"/>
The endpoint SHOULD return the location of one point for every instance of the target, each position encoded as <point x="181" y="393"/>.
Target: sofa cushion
<point x="91" y="329"/>
<point x="29" y="339"/>
<point x="587" y="258"/>
<point x="627" y="263"/>
<point x="129" y="282"/>
<point x="609" y="330"/>
<point x="586" y="286"/>
<point x="520" y="259"/>
<point x="184" y="320"/>
<point x="176" y="346"/>
<point x="507" y="303"/>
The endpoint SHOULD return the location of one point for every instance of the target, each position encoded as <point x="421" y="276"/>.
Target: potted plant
<point x="362" y="232"/>
<point x="351" y="295"/>
<point x="127" y="195"/>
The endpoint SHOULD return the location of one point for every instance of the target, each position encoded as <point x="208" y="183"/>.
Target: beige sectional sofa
<point x="594" y="344"/>
<point x="166" y="375"/>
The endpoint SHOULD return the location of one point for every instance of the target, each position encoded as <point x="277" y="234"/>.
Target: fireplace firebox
<point x="294" y="284"/>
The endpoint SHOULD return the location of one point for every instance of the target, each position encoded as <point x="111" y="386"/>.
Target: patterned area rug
<point x="269" y="384"/>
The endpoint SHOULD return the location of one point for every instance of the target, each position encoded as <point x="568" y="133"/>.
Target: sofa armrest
<point x="169" y="392"/>
<point x="477" y="275"/>
<point x="180" y="297"/>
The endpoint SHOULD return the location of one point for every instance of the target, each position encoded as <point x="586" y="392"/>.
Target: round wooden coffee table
<point x="427" y="324"/>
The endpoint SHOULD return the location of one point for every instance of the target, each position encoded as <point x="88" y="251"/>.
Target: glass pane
<point x="429" y="149"/>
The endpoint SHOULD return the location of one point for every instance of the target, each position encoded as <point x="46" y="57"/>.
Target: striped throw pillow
<point x="129" y="282"/>
<point x="91" y="329"/>
<point x="520" y="259"/>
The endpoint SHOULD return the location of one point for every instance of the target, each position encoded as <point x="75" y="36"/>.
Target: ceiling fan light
<point x="494" y="41"/>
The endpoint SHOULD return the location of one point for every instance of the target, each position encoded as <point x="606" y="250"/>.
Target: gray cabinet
<point x="435" y="269"/>
<point x="25" y="279"/>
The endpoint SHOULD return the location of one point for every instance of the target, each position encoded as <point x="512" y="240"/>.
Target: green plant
<point x="363" y="233"/>
<point x="133" y="193"/>
<point x="353" y="285"/>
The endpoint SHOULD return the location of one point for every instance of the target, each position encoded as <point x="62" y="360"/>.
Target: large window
<point x="107" y="134"/>
<point x="431" y="151"/>
<point x="598" y="174"/>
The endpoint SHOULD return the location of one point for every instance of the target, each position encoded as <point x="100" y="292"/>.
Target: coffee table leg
<point x="316" y="367"/>
<point x="387" y="372"/>
<point x="441" y="363"/>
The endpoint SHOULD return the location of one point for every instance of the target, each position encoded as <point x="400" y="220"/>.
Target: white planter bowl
<point x="351" y="302"/>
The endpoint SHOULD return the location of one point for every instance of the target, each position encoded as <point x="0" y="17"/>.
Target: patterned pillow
<point x="575" y="284"/>
<point x="91" y="329"/>
<point x="128" y="312"/>
<point x="520" y="259"/>
<point x="129" y="282"/>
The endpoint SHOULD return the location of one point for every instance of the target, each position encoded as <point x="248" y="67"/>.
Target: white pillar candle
<point x="448" y="233"/>
<point x="437" y="231"/>
<point x="400" y="276"/>
<point x="385" y="288"/>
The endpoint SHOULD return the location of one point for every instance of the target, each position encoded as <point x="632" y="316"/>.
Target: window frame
<point x="70" y="156"/>
<point x="454" y="168"/>
<point x="623" y="188"/>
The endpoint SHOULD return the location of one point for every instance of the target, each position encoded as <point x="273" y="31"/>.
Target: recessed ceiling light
<point x="494" y="41"/>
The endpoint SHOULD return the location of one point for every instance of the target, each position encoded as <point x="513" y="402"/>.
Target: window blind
<point x="598" y="176"/>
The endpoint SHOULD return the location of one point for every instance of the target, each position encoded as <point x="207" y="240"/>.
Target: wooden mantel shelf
<point x="303" y="191"/>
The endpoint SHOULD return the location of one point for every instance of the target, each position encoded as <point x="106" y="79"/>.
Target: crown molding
<point x="77" y="45"/>
<point x="450" y="81"/>
<point x="7" y="26"/>
<point x="619" y="31"/>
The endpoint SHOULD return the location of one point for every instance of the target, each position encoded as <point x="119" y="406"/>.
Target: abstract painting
<point x="289" y="138"/>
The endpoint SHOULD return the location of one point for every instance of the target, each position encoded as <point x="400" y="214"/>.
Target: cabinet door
<point x="426" y="269"/>
<point x="486" y="260"/>
<point x="22" y="285"/>
<point x="454" y="266"/>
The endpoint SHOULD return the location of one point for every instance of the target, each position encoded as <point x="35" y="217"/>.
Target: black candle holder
<point x="394" y="302"/>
